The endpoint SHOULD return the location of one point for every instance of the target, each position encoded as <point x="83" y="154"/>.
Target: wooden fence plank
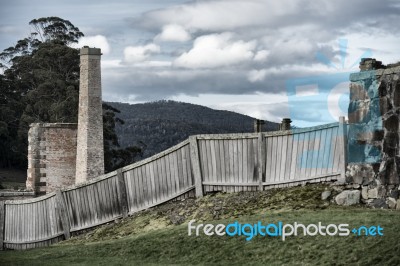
<point x="180" y="177"/>
<point x="194" y="152"/>
<point x="274" y="158"/>
<point x="250" y="161"/>
<point x="236" y="161"/>
<point x="189" y="168"/>
<point x="150" y="177"/>
<point x="283" y="155"/>
<point x="176" y="171"/>
<point x="212" y="160"/>
<point x="156" y="180"/>
<point x="293" y="165"/>
<point x="310" y="153"/>
<point x="207" y="161"/>
<point x="261" y="153"/>
<point x="130" y="189"/>
<point x="226" y="160"/>
<point x="143" y="177"/>
<point x="331" y="148"/>
<point x="219" y="160"/>
<point x="240" y="160"/>
<point x="303" y="154"/>
<point x="62" y="214"/>
<point x="165" y="187"/>
<point x="289" y="155"/>
<point x="268" y="156"/>
<point x="2" y="223"/>
<point x="185" y="178"/>
<point x="343" y="138"/>
<point x="139" y="187"/>
<point x="231" y="163"/>
<point x="321" y="155"/>
<point x="338" y="150"/>
<point x="123" y="198"/>
<point x="170" y="170"/>
<point x="316" y="152"/>
<point x="245" y="162"/>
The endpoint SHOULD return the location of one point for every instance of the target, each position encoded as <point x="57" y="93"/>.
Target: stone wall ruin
<point x="374" y="134"/>
<point x="59" y="154"/>
<point x="51" y="157"/>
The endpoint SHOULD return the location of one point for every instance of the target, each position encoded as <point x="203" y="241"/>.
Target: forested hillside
<point x="157" y="126"/>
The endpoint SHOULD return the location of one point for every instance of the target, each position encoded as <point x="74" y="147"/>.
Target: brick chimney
<point x="90" y="149"/>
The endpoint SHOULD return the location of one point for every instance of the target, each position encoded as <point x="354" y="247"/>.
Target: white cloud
<point x="7" y="29"/>
<point x="216" y="50"/>
<point x="173" y="33"/>
<point x="220" y="15"/>
<point x="153" y="64"/>
<point x="135" y="54"/>
<point x="98" y="41"/>
<point x="261" y="55"/>
<point x="257" y="75"/>
<point x="106" y="64"/>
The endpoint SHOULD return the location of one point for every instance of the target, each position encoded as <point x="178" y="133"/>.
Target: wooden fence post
<point x="195" y="159"/>
<point x="123" y="198"/>
<point x="62" y="214"/>
<point x="343" y="142"/>
<point x="261" y="159"/>
<point x="2" y="222"/>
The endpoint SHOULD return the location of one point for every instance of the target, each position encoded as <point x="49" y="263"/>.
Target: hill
<point x="159" y="235"/>
<point x="156" y="126"/>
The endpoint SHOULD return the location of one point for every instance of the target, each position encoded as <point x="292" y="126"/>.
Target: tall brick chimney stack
<point x="90" y="151"/>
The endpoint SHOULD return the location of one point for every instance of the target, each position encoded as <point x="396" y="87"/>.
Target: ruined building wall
<point x="51" y="156"/>
<point x="374" y="133"/>
<point x="60" y="155"/>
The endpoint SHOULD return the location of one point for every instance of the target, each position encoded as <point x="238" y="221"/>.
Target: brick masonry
<point x="90" y="150"/>
<point x="51" y="156"/>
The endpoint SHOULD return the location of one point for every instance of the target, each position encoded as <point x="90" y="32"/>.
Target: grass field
<point x="158" y="237"/>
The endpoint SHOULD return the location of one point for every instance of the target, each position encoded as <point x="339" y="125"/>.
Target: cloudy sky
<point x="265" y="58"/>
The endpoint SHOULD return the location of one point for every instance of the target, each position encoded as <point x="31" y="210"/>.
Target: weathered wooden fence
<point x="204" y="163"/>
<point x="249" y="162"/>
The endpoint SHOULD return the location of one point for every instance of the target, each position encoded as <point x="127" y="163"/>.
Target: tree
<point x="115" y="157"/>
<point x="55" y="28"/>
<point x="10" y="111"/>
<point x="41" y="84"/>
<point x="48" y="29"/>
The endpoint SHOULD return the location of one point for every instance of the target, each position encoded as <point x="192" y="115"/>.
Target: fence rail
<point x="201" y="164"/>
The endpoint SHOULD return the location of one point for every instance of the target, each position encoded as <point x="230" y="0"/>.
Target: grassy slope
<point x="159" y="236"/>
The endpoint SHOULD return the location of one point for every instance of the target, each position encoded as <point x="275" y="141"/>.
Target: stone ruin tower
<point x="59" y="154"/>
<point x="90" y="153"/>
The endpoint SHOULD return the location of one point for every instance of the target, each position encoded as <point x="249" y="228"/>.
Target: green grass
<point x="134" y="241"/>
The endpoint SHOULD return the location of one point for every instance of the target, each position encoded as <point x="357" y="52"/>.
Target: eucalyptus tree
<point x="40" y="83"/>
